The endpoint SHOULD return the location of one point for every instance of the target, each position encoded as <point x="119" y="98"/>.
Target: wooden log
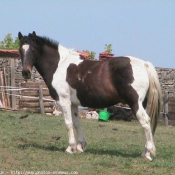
<point x="34" y="93"/>
<point x="48" y="110"/>
<point x="24" y="99"/>
<point x="36" y="110"/>
<point x="41" y="99"/>
<point x="7" y="109"/>
<point x="35" y="104"/>
<point x="40" y="104"/>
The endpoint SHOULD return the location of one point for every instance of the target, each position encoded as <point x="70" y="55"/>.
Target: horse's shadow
<point x="112" y="152"/>
<point x="48" y="147"/>
<point x="51" y="147"/>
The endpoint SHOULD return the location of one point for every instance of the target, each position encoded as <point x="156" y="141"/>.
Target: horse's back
<point x="104" y="83"/>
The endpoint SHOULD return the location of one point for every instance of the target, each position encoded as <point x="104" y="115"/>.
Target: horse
<point x="73" y="80"/>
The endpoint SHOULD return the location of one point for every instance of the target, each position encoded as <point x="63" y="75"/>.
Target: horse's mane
<point x="47" y="41"/>
<point x="54" y="44"/>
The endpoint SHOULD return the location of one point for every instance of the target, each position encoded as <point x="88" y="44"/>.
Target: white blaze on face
<point x="25" y="47"/>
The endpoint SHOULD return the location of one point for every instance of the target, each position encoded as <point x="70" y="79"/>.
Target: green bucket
<point x="103" y="115"/>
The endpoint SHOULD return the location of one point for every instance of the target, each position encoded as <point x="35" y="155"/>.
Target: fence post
<point x="41" y="100"/>
<point x="12" y="82"/>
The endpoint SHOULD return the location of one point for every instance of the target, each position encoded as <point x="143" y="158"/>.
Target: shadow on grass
<point x="111" y="152"/>
<point x="48" y="147"/>
<point x="51" y="147"/>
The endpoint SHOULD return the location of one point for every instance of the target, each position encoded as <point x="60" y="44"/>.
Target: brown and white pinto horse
<point x="74" y="81"/>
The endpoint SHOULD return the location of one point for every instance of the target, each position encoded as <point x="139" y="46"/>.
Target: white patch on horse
<point x="73" y="96"/>
<point x="68" y="97"/>
<point x="59" y="82"/>
<point x="140" y="84"/>
<point x="25" y="47"/>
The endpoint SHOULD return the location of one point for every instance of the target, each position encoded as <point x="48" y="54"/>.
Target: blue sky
<point x="140" y="28"/>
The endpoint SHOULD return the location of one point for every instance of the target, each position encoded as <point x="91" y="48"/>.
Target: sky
<point x="140" y="28"/>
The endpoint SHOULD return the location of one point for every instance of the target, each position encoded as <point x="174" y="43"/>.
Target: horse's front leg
<point x="76" y="121"/>
<point x="65" y="105"/>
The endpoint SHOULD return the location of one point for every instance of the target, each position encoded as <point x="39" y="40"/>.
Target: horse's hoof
<point x="79" y="148"/>
<point x="146" y="156"/>
<point x="153" y="152"/>
<point x="70" y="150"/>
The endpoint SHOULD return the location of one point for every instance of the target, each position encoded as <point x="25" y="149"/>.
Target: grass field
<point x="38" y="143"/>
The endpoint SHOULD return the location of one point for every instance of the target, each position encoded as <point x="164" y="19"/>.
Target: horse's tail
<point x="154" y="96"/>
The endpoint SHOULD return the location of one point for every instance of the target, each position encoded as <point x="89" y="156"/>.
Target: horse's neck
<point x="47" y="64"/>
<point x="51" y="59"/>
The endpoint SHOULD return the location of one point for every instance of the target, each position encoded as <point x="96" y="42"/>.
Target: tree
<point x="91" y="54"/>
<point x="9" y="43"/>
<point x="108" y="48"/>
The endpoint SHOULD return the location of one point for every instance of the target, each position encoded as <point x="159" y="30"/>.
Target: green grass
<point x="113" y="147"/>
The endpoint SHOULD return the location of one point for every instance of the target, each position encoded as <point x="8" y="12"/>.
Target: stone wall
<point x="35" y="77"/>
<point x="167" y="80"/>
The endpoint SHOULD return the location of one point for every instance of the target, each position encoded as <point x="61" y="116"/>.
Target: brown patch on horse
<point x="102" y="84"/>
<point x="123" y="78"/>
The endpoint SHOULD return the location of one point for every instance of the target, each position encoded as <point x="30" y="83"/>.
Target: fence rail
<point x="35" y="98"/>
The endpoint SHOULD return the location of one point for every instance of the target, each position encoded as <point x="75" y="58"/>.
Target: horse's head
<point x="29" y="53"/>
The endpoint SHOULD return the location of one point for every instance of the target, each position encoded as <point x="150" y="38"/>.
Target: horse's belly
<point x="94" y="98"/>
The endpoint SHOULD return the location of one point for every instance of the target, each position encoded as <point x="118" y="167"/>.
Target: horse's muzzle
<point x="26" y="74"/>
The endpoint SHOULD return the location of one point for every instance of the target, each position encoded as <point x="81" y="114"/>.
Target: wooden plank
<point x="12" y="79"/>
<point x="1" y="91"/>
<point x="33" y="84"/>
<point x="41" y="99"/>
<point x="4" y="96"/>
<point x="5" y="84"/>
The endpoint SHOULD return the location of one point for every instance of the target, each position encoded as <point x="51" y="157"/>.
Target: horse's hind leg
<point x="81" y="145"/>
<point x="144" y="120"/>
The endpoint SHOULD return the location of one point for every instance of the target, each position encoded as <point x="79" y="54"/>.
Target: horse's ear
<point x="34" y="36"/>
<point x="20" y="35"/>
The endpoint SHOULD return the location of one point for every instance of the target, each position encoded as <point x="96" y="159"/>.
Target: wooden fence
<point x="35" y="98"/>
<point x="4" y="96"/>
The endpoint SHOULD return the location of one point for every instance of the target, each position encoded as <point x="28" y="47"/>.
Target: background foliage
<point x="9" y="43"/>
